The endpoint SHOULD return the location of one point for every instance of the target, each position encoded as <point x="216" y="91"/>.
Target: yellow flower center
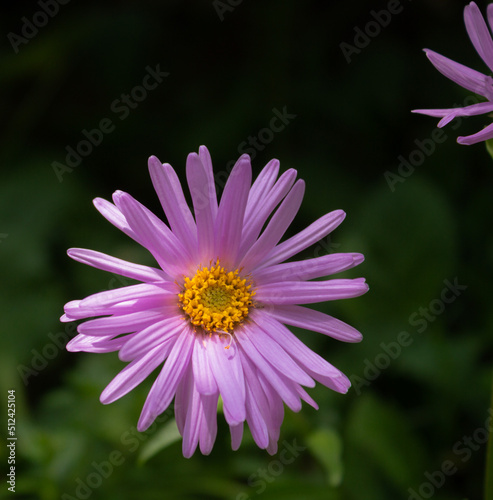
<point x="215" y="299"/>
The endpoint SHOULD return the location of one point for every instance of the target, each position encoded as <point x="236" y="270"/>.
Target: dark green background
<point x="352" y="124"/>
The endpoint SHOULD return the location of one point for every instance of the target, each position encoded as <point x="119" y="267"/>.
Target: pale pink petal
<point x="164" y="388"/>
<point x="313" y="233"/>
<point x="175" y="206"/>
<point x="118" y="266"/>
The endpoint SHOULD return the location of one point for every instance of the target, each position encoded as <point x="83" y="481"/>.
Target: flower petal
<point x="452" y="113"/>
<point x="133" y="374"/>
<point x="119" y="324"/>
<point x="279" y="381"/>
<point x="205" y="158"/>
<point x="113" y="215"/>
<point x="164" y="331"/>
<point x="204" y="201"/>
<point x="478" y="33"/>
<point x="202" y="372"/>
<point x="87" y="343"/>
<point x="106" y="298"/>
<point x="309" y="292"/>
<point x="229" y="222"/>
<point x="228" y="373"/>
<point x="277" y="357"/>
<point x="155" y="235"/>
<point x="276" y="227"/>
<point x="263" y="202"/>
<point x="164" y="388"/>
<point x="118" y="266"/>
<point x="208" y="424"/>
<point x="308" y="269"/>
<point x="310" y="235"/>
<point x="314" y="364"/>
<point x="482" y="135"/>
<point x="175" y="206"/>
<point x="236" y="435"/>
<point x="309" y="319"/>
<point x="462" y="75"/>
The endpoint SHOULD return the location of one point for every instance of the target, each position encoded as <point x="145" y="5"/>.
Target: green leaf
<point x="380" y="433"/>
<point x="326" y="446"/>
<point x="166" y="436"/>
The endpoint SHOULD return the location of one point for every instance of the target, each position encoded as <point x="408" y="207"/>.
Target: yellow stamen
<point x="215" y="299"/>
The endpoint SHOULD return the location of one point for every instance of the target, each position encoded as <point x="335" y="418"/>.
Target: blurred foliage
<point x="417" y="396"/>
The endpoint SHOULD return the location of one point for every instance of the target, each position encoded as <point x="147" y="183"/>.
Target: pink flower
<point x="470" y="79"/>
<point x="213" y="314"/>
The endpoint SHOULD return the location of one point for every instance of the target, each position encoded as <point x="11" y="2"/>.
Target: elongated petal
<point x="228" y="373"/>
<point x="208" y="424"/>
<point x="204" y="201"/>
<point x="257" y="392"/>
<point x="164" y="388"/>
<point x="117" y="325"/>
<point x="309" y="319"/>
<point x="205" y="158"/>
<point x="450" y="114"/>
<point x="489" y="14"/>
<point x="275" y="228"/>
<point x="302" y="270"/>
<point x="314" y="364"/>
<point x="87" y="343"/>
<point x="182" y="402"/>
<point x="175" y="206"/>
<point x="309" y="292"/>
<point x="260" y="189"/>
<point x="164" y="331"/>
<point x="133" y="374"/>
<point x="277" y="357"/>
<point x="482" y="135"/>
<point x="313" y="233"/>
<point x="279" y="381"/>
<point x="118" y="266"/>
<point x="191" y="430"/>
<point x="478" y="33"/>
<point x="263" y="203"/>
<point x="158" y="239"/>
<point x="202" y="372"/>
<point x="113" y="215"/>
<point x="131" y="292"/>
<point x="229" y="222"/>
<point x="236" y="435"/>
<point x="256" y="421"/>
<point x="462" y="75"/>
<point x="75" y="309"/>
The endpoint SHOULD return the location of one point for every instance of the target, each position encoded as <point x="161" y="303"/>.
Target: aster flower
<point x="470" y="79"/>
<point x="213" y="314"/>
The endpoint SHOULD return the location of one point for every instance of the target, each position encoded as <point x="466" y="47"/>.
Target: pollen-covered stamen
<point x="215" y="299"/>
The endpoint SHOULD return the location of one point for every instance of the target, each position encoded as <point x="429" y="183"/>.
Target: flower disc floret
<point x="216" y="299"/>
